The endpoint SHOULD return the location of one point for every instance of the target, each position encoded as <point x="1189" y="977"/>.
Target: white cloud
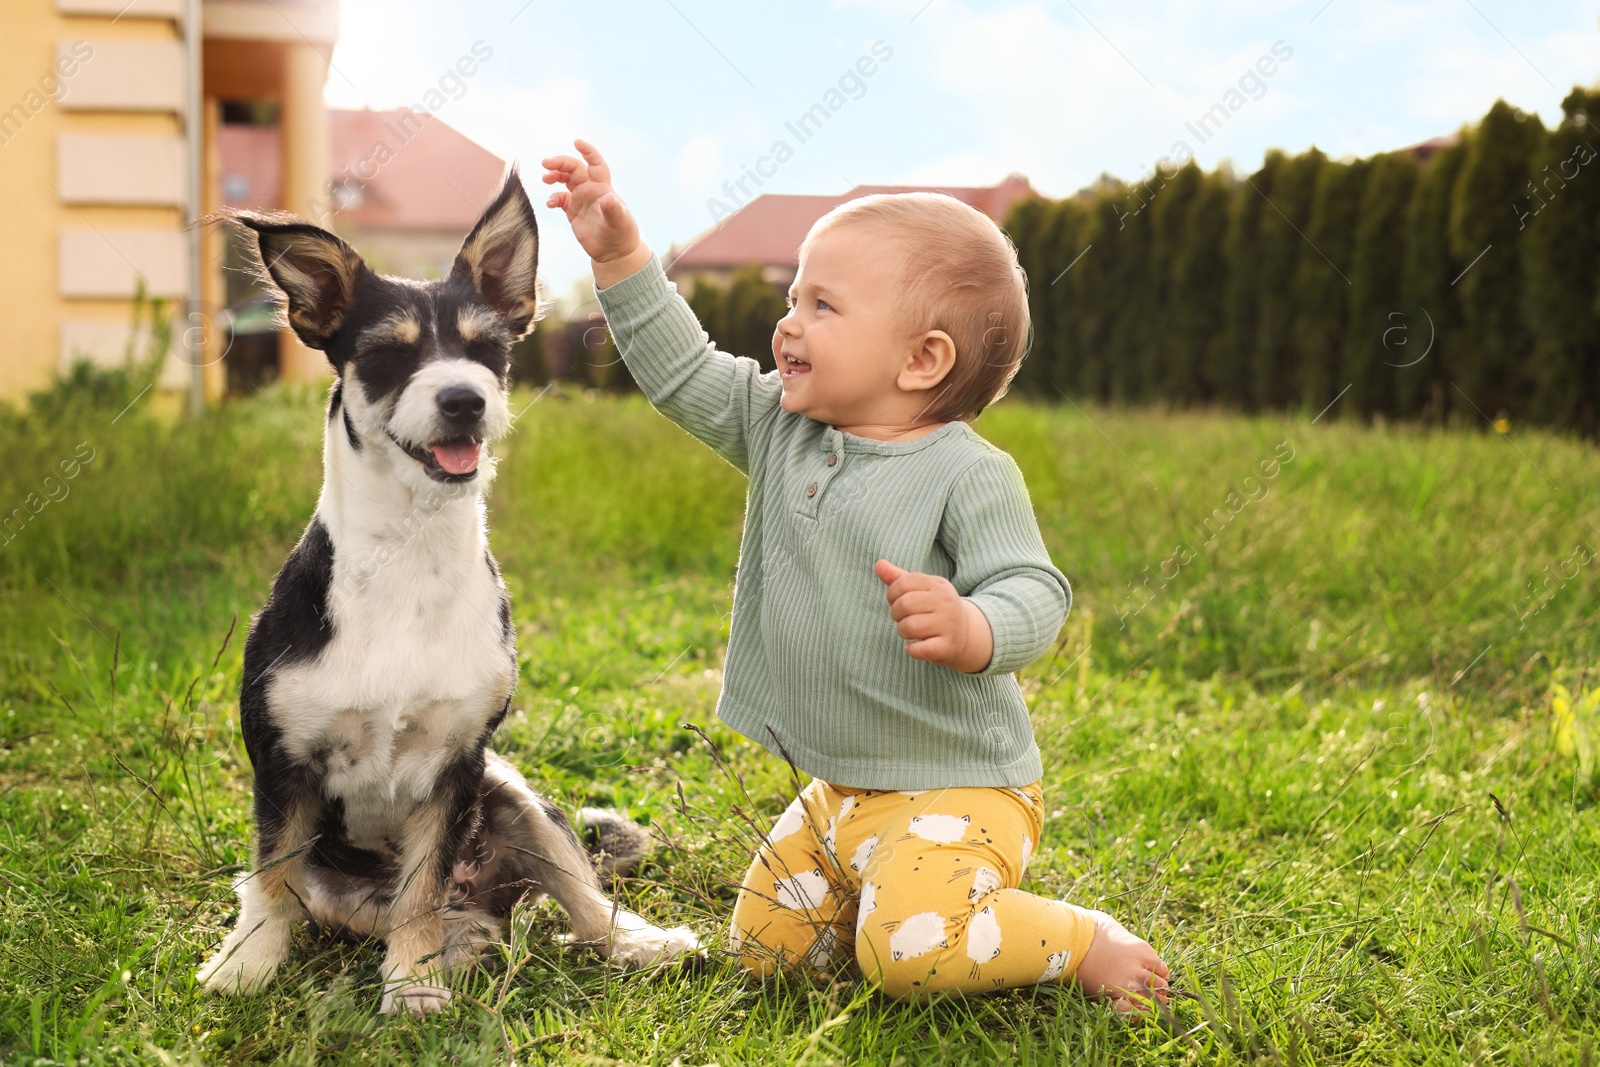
<point x="700" y="162"/>
<point x="957" y="168"/>
<point x="1059" y="98"/>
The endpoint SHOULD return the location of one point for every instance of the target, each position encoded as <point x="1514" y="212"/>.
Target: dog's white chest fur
<point x="417" y="667"/>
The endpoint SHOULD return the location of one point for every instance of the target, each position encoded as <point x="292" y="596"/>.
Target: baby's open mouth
<point x="791" y="366"/>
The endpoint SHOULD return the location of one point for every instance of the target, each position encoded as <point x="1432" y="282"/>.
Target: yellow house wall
<point x="257" y="55"/>
<point x="30" y="308"/>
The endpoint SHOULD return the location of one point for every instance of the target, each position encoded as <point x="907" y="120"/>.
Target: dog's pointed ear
<point x="500" y="257"/>
<point x="315" y="271"/>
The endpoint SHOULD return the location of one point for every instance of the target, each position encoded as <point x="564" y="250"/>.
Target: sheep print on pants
<point x="920" y="885"/>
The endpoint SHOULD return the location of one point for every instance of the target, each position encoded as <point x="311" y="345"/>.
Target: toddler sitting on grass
<point x="891" y="578"/>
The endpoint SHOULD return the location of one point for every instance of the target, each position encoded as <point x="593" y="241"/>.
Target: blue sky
<point x="684" y="96"/>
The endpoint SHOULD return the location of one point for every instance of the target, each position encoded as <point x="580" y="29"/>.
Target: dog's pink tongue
<point x="457" y="457"/>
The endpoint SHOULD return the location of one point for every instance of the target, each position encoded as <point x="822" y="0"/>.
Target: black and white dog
<point x="385" y="658"/>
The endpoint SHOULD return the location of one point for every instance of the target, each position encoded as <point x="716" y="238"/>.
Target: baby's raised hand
<point x="939" y="624"/>
<point x="600" y="220"/>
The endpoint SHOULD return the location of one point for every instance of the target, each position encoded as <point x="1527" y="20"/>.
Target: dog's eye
<point x="387" y="349"/>
<point x="486" y="351"/>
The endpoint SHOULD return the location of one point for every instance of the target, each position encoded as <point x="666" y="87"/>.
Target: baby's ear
<point x="929" y="363"/>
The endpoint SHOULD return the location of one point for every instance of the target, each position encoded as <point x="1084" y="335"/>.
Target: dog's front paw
<point x="644" y="945"/>
<point x="242" y="964"/>
<point x="414" y="999"/>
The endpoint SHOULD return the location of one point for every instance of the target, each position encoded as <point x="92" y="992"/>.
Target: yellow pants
<point x="921" y="886"/>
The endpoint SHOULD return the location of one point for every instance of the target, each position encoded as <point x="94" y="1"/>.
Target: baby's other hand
<point x="600" y="220"/>
<point x="939" y="624"/>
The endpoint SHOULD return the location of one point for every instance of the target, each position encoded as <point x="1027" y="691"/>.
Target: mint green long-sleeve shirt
<point x="816" y="670"/>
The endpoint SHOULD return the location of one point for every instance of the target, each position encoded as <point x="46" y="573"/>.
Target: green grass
<point x="1316" y="768"/>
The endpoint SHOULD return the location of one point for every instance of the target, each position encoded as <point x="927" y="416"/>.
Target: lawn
<point x="1299" y="731"/>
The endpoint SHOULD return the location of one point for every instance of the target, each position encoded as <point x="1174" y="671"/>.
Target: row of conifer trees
<point x="1463" y="287"/>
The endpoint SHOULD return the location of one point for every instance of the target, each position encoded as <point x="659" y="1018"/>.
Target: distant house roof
<point x="397" y="170"/>
<point x="1426" y="150"/>
<point x="252" y="165"/>
<point x="768" y="230"/>
<point x="436" y="179"/>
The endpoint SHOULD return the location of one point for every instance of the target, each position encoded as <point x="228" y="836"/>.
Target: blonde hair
<point x="959" y="273"/>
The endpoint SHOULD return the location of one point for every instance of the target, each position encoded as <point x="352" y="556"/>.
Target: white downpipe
<point x="194" y="332"/>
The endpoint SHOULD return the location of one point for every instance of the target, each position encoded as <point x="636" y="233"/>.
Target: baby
<point x="891" y="578"/>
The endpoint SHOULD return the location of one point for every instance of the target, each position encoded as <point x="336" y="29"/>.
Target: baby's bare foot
<point x="1120" y="966"/>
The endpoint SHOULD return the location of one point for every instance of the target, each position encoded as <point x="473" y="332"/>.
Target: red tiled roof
<point x="1425" y="150"/>
<point x="768" y="230"/>
<point x="252" y="167"/>
<point x="992" y="200"/>
<point x="402" y="170"/>
<point x="436" y="179"/>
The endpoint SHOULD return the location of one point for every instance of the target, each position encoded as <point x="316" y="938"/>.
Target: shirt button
<point x="833" y="457"/>
<point x="811" y="490"/>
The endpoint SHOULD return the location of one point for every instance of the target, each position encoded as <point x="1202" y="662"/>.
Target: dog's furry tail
<point x="616" y="843"/>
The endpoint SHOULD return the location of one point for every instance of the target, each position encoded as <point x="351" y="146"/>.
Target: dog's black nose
<point x="459" y="403"/>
